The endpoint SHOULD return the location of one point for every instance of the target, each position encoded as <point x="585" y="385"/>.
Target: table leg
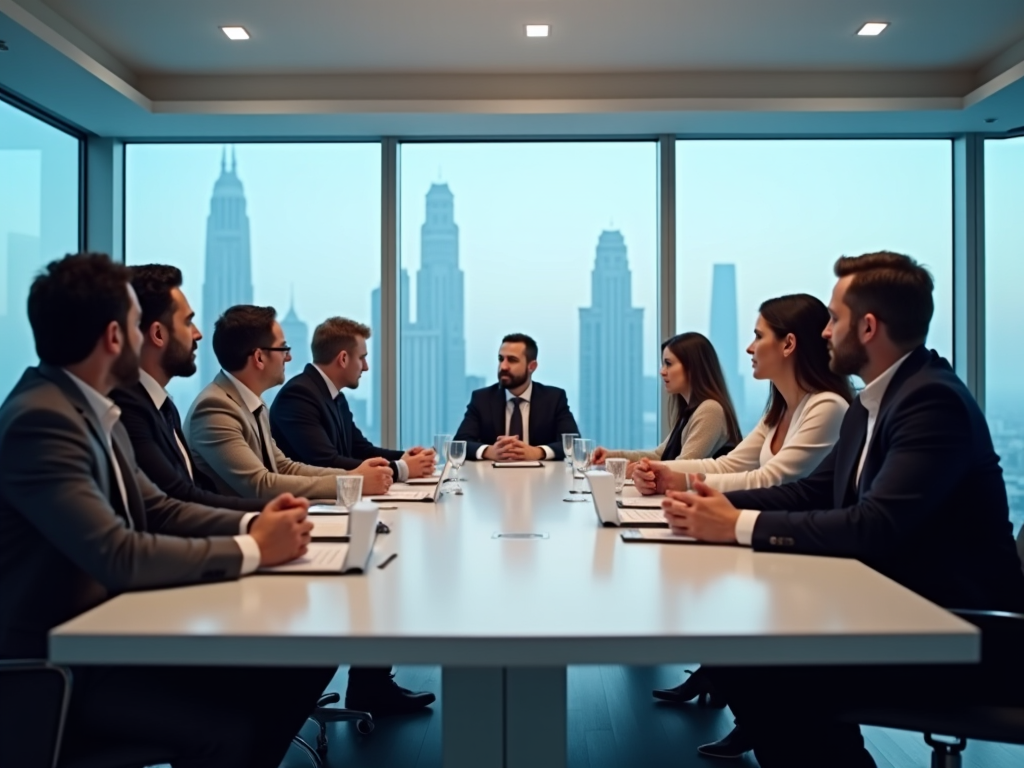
<point x="503" y="718"/>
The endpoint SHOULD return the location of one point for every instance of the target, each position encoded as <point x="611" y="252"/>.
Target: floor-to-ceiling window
<point x="39" y="222"/>
<point x="294" y="226"/>
<point x="555" y="240"/>
<point x="1004" y="311"/>
<point x="762" y="218"/>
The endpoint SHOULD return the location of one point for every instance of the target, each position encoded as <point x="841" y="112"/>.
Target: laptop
<point x="609" y="513"/>
<point x="431" y="497"/>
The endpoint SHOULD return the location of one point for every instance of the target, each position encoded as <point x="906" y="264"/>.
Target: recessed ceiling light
<point x="236" y="33"/>
<point x="538" y="30"/>
<point x="873" y="28"/>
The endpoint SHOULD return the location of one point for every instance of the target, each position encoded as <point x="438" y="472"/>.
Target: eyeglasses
<point x="285" y="348"/>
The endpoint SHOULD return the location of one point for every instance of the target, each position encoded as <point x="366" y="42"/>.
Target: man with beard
<point x="149" y="415"/>
<point x="912" y="488"/>
<point x="80" y="523"/>
<point x="517" y="418"/>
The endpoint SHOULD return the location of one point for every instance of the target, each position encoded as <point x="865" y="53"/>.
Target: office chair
<point x="34" y="698"/>
<point x="324" y="714"/>
<point x="993" y="712"/>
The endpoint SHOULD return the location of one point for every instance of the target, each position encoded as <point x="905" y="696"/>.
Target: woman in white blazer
<point x="800" y="426"/>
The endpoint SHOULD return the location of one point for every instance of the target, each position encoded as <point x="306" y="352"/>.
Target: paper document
<point x="638" y="516"/>
<point x="320" y="558"/>
<point x="513" y="464"/>
<point x="656" y="535"/>
<point x="403" y="496"/>
<point x="423" y="480"/>
<point x="327" y="509"/>
<point x="330" y="527"/>
<point x="641" y="502"/>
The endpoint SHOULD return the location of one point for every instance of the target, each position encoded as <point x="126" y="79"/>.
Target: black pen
<point x="390" y="557"/>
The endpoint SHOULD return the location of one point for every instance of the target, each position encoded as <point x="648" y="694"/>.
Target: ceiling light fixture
<point x="538" y="30"/>
<point x="873" y="28"/>
<point x="236" y="33"/>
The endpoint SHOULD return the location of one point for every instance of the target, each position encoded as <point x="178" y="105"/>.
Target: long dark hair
<point x="805" y="317"/>
<point x="700" y="361"/>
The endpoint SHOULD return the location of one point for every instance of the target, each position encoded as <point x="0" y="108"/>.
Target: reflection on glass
<point x="38" y="223"/>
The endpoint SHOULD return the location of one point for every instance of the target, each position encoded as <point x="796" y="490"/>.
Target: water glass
<point x="455" y="450"/>
<point x="350" y="490"/>
<point x="440" y="443"/>
<point x="567" y="438"/>
<point x="617" y="467"/>
<point x="582" y="451"/>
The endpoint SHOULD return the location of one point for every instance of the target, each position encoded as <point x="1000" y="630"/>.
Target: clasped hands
<point x="691" y="507"/>
<point x="511" y="448"/>
<point x="420" y="461"/>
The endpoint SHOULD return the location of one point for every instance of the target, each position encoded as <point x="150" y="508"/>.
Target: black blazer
<point x="159" y="457"/>
<point x="930" y="510"/>
<point x="310" y="427"/>
<point x="484" y="421"/>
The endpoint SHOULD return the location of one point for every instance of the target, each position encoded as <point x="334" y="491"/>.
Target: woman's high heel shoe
<point x="696" y="686"/>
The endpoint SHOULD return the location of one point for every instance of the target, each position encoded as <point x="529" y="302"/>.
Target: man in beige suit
<point x="228" y="427"/>
<point x="80" y="523"/>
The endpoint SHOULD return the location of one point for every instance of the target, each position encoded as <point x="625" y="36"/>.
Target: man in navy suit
<point x="912" y="488"/>
<point x="517" y="418"/>
<point x="149" y="415"/>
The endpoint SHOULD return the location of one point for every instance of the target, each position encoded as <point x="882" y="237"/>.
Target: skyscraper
<point x="611" y="351"/>
<point x="228" y="269"/>
<point x="725" y="332"/>
<point x="296" y="333"/>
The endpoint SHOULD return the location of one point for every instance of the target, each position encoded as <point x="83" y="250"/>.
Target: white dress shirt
<point x="871" y="398"/>
<point x="159" y="396"/>
<point x="524" y="409"/>
<point x="107" y="413"/>
<point x="403" y="468"/>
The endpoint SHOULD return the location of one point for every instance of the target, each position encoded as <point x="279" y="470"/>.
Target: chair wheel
<point x="365" y="727"/>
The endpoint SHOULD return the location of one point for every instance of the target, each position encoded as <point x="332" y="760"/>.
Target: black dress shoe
<point x="697" y="686"/>
<point x="732" y="745"/>
<point x="385" y="697"/>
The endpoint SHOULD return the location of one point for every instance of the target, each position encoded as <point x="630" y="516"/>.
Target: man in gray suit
<point x="80" y="523"/>
<point x="228" y="426"/>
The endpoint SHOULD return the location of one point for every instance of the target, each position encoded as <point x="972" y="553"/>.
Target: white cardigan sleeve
<point x="807" y="444"/>
<point x="743" y="458"/>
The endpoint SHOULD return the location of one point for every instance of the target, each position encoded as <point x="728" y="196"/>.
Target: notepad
<point x="646" y="517"/>
<point x="640" y="502"/>
<point x="320" y="558"/>
<point x="424" y="480"/>
<point x="657" y="536"/>
<point x="329" y="527"/>
<point x="516" y="464"/>
<point x="403" y="496"/>
<point x="327" y="509"/>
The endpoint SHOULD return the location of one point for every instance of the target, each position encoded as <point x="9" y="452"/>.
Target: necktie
<point x="341" y="408"/>
<point x="170" y="414"/>
<point x="515" y="424"/>
<point x="263" y="438"/>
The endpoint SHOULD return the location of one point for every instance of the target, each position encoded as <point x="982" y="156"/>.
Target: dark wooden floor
<point x="613" y="723"/>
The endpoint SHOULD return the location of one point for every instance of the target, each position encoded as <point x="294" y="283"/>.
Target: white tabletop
<point x="457" y="596"/>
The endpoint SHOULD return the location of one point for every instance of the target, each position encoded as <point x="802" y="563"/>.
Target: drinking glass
<point x="582" y="451"/>
<point x="567" y="438"/>
<point x="618" y="469"/>
<point x="440" y="443"/>
<point x="456" y="452"/>
<point x="350" y="490"/>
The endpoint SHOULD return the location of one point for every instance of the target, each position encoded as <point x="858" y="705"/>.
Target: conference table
<point x="507" y="584"/>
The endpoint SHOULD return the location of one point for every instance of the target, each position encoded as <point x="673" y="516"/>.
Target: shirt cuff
<point x="480" y="452"/>
<point x="250" y="553"/>
<point x="247" y="518"/>
<point x="403" y="471"/>
<point x="549" y="455"/>
<point x="745" y="526"/>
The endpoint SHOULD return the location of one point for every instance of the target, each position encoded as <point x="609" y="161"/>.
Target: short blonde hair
<point x="334" y="336"/>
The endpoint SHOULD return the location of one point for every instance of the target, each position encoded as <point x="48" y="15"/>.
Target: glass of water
<point x="582" y="451"/>
<point x="350" y="490"/>
<point x="456" y="452"/>
<point x="567" y="438"/>
<point x="618" y="469"/>
<point x="440" y="446"/>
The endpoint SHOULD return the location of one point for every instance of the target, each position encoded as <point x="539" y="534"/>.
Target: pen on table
<point x="387" y="506"/>
<point x="389" y="558"/>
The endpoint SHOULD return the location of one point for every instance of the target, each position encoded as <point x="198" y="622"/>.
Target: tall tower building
<point x="611" y="351"/>
<point x="440" y="304"/>
<point x="228" y="272"/>
<point x="725" y="331"/>
<point x="296" y="333"/>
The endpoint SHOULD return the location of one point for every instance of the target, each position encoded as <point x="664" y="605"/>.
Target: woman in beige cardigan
<point x="699" y="404"/>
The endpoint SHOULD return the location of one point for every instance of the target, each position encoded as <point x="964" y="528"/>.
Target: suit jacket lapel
<point x="849" y="454"/>
<point x="166" y="433"/>
<point x="333" y="406"/>
<point x="500" y="404"/>
<point x="136" y="504"/>
<point x="344" y="419"/>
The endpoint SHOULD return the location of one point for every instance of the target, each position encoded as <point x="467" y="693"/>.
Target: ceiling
<point x="162" y="68"/>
